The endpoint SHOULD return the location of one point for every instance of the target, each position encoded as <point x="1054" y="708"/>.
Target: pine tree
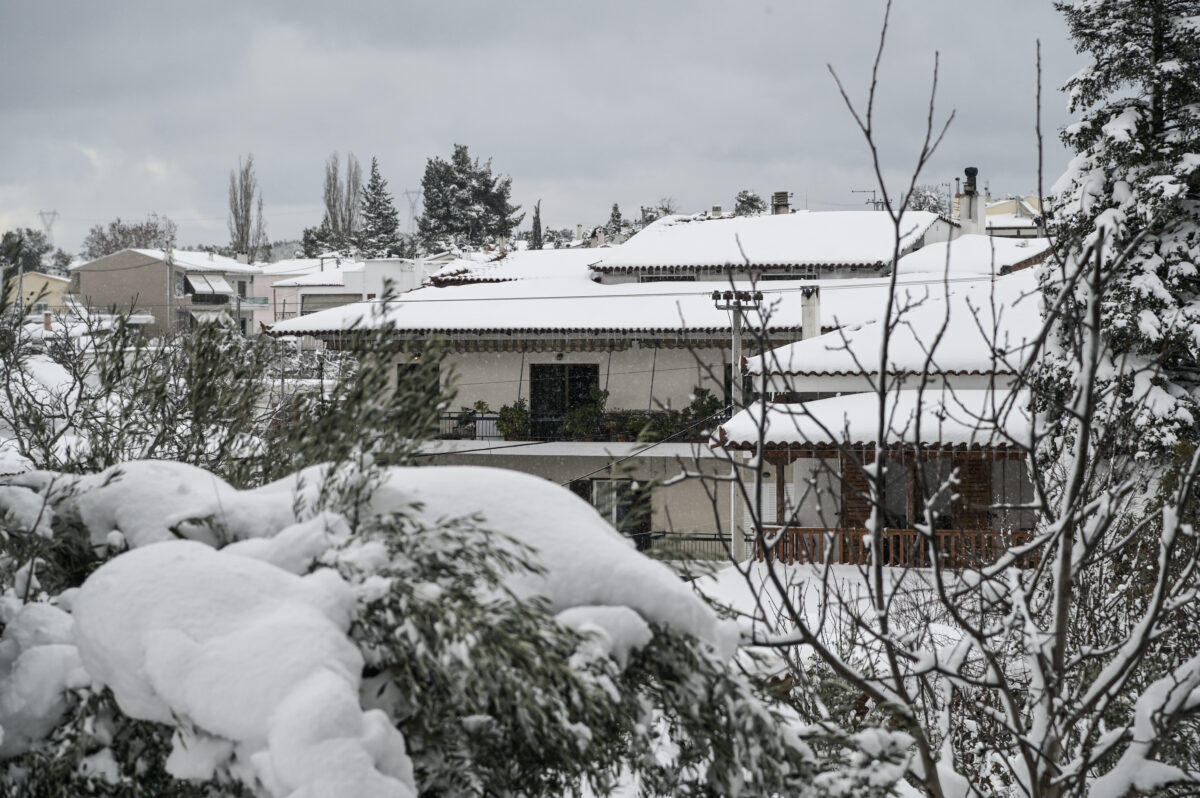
<point x="1134" y="187"/>
<point x="465" y="204"/>
<point x="614" y="221"/>
<point x="379" y="236"/>
<point x="747" y="203"/>
<point x="535" y="236"/>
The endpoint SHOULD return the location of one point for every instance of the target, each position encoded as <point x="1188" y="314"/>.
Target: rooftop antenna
<point x="876" y="204"/>
<point x="413" y="196"/>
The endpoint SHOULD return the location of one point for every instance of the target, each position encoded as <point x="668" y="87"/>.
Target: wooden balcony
<point x="956" y="548"/>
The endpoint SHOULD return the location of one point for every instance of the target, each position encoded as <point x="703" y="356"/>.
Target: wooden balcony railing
<point x="956" y="548"/>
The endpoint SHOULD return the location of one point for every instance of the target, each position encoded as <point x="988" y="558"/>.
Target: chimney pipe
<point x="780" y="202"/>
<point x="810" y="312"/>
<point x="971" y="173"/>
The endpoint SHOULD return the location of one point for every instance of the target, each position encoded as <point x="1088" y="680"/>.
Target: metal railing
<point x="956" y="548"/>
<point x="469" y="426"/>
<point x="677" y="546"/>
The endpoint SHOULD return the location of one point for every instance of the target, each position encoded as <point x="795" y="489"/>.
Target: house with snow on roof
<point x="179" y="288"/>
<point x="587" y="366"/>
<point x="591" y="346"/>
<point x="784" y="245"/>
<point x="953" y="404"/>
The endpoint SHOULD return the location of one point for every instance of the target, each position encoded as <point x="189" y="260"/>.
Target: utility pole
<point x="170" y="259"/>
<point x="737" y="302"/>
<point x="413" y="196"/>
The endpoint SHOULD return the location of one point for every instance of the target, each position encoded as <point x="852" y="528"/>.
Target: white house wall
<point x="636" y="378"/>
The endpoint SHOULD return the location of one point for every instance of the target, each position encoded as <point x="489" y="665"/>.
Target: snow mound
<point x="585" y="561"/>
<point x="140" y="499"/>
<point x="247" y="652"/>
<point x="38" y="664"/>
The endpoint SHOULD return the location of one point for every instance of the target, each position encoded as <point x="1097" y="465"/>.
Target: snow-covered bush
<point x="439" y="638"/>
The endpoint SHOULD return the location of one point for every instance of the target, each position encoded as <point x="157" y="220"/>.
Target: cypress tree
<point x="535" y="236"/>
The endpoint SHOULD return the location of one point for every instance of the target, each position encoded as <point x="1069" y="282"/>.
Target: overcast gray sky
<point x="120" y="108"/>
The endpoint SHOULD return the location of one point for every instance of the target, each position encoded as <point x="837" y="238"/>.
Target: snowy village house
<point x="201" y="286"/>
<point x="549" y="332"/>
<point x="953" y="405"/>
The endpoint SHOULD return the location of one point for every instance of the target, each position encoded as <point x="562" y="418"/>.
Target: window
<point x="555" y="389"/>
<point x="1012" y="496"/>
<point x="242" y="288"/>
<point x="623" y="503"/>
<point x="896" y="481"/>
<point x="935" y="488"/>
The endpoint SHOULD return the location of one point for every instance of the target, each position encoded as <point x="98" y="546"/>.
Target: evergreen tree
<point x="928" y="197"/>
<point x="747" y="203"/>
<point x="465" y="204"/>
<point x="156" y="232"/>
<point x="535" y="236"/>
<point x="614" y="221"/>
<point x="379" y="236"/>
<point x="1131" y="198"/>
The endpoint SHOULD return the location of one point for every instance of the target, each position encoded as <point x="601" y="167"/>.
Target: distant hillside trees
<point x="154" y="232"/>
<point x="247" y="232"/>
<point x="379" y="233"/>
<point x="465" y="203"/>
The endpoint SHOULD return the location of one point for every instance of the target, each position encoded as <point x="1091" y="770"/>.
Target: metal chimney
<point x="971" y="172"/>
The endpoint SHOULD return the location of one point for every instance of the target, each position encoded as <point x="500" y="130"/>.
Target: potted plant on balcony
<point x="586" y="421"/>
<point x="513" y="420"/>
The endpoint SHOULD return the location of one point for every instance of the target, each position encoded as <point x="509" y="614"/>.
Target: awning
<point x="212" y="317"/>
<point x="209" y="284"/>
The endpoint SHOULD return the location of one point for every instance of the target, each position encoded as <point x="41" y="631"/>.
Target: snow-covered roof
<point x="1010" y="220"/>
<point x="574" y="303"/>
<point x="331" y="276"/>
<point x="975" y="254"/>
<point x="528" y="264"/>
<point x="200" y="261"/>
<point x="805" y="238"/>
<point x="294" y="266"/>
<point x="978" y="327"/>
<point x="943" y="418"/>
<point x="547" y="306"/>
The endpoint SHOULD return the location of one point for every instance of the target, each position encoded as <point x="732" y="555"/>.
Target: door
<point x="554" y="390"/>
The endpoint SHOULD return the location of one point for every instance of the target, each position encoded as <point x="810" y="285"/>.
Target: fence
<point x="956" y="548"/>
<point x="672" y="546"/>
<point x="469" y="426"/>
